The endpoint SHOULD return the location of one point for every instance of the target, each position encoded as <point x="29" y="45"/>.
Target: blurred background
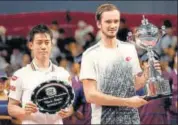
<point x="74" y="29"/>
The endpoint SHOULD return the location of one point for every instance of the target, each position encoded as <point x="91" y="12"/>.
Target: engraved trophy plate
<point x="156" y="86"/>
<point x="52" y="96"/>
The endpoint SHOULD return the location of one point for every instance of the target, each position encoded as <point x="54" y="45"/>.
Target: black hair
<point x="167" y="23"/>
<point x="41" y="28"/>
<point x="61" y="30"/>
<point x="123" y="20"/>
<point x="54" y="22"/>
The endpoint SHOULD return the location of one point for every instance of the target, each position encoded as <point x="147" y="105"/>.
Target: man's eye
<point x="108" y="21"/>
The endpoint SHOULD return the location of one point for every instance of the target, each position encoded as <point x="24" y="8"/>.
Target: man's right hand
<point x="30" y="108"/>
<point x="136" y="101"/>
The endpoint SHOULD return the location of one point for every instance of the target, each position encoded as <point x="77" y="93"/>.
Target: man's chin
<point x="111" y="36"/>
<point x="44" y="57"/>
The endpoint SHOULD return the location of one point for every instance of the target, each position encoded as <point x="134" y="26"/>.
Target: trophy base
<point x="148" y="98"/>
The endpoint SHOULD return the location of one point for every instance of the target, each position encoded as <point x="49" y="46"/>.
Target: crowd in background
<point x="67" y="53"/>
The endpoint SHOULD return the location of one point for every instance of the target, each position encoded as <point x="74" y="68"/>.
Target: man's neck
<point x="44" y="64"/>
<point x="109" y="42"/>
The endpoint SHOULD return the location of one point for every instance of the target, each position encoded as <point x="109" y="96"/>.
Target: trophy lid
<point x="147" y="32"/>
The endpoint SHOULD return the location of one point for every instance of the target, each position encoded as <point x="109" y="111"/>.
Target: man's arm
<point x="94" y="96"/>
<point x="15" y="110"/>
<point x="142" y="77"/>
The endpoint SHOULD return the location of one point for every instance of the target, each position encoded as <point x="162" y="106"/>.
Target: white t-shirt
<point x="113" y="69"/>
<point x="25" y="80"/>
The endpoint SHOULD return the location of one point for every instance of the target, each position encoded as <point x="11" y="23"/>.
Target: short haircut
<point x="104" y="8"/>
<point x="41" y="28"/>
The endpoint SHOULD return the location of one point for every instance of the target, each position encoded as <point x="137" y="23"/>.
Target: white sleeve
<point x="87" y="70"/>
<point x="15" y="88"/>
<point x="63" y="75"/>
<point x="67" y="76"/>
<point x="136" y="64"/>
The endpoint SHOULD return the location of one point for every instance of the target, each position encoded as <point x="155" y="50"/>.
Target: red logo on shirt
<point x="13" y="88"/>
<point x="128" y="59"/>
<point x="14" y="78"/>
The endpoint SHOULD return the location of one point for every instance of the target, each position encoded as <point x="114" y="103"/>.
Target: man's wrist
<point x="22" y="114"/>
<point x="126" y="102"/>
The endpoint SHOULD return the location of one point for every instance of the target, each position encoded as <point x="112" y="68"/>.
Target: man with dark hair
<point x="24" y="81"/>
<point x="166" y="41"/>
<point x="82" y="109"/>
<point x="123" y="30"/>
<point x="109" y="73"/>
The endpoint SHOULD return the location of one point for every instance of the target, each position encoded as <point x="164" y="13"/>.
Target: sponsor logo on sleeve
<point x="14" y="78"/>
<point x="12" y="88"/>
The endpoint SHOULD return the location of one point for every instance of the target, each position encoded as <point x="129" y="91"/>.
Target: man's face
<point x="63" y="63"/>
<point x="54" y="27"/>
<point x="109" y="23"/>
<point x="75" y="68"/>
<point x="169" y="31"/>
<point x="41" y="46"/>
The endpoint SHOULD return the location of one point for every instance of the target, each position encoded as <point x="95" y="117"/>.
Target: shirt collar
<point x="49" y="69"/>
<point x="117" y="44"/>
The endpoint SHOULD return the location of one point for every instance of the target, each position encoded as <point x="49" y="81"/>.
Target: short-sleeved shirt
<point x="25" y="80"/>
<point x="114" y="70"/>
<point x="164" y="43"/>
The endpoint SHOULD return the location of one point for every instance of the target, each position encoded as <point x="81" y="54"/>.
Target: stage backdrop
<point x="19" y="24"/>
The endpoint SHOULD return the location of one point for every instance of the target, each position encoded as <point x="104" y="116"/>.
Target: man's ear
<point x="30" y="44"/>
<point x="98" y="24"/>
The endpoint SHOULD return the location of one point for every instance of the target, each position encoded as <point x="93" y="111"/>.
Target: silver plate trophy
<point x="52" y="96"/>
<point x="156" y="86"/>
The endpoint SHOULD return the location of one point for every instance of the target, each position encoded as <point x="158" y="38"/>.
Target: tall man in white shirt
<point x="109" y="73"/>
<point x="27" y="78"/>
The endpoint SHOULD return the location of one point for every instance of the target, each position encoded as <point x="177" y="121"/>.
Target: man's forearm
<point x="108" y="100"/>
<point x="16" y="111"/>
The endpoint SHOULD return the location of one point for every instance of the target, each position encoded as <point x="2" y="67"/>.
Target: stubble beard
<point x="108" y="36"/>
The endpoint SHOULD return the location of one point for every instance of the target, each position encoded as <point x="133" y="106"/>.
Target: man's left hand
<point x="157" y="66"/>
<point x="64" y="113"/>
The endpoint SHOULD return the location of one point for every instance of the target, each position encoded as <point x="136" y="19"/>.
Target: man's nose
<point x="43" y="46"/>
<point x="113" y="26"/>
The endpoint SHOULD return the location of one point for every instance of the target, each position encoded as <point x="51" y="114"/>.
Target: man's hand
<point x="79" y="115"/>
<point x="30" y="108"/>
<point x="141" y="78"/>
<point x="157" y="66"/>
<point x="136" y="101"/>
<point x="146" y="68"/>
<point x="64" y="113"/>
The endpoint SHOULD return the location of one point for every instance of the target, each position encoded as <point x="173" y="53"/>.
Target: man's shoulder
<point x="166" y="39"/>
<point x="22" y="71"/>
<point x="59" y="69"/>
<point x="126" y="46"/>
<point x="91" y="50"/>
